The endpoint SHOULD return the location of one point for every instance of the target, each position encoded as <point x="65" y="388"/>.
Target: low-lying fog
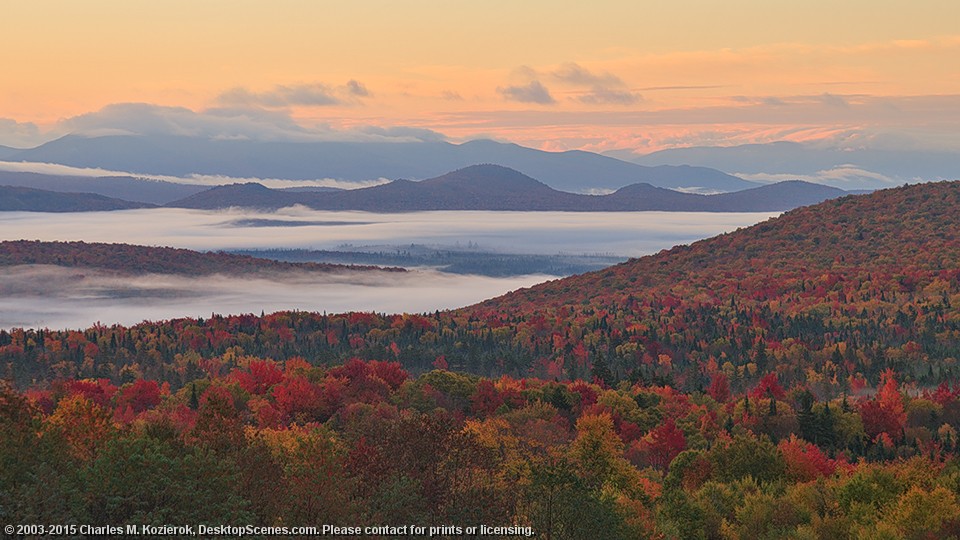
<point x="619" y="233"/>
<point x="74" y="298"/>
<point x="53" y="297"/>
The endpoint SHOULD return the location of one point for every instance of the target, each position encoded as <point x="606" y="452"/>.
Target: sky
<point x="555" y="75"/>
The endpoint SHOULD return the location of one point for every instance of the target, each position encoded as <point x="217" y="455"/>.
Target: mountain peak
<point x="487" y="175"/>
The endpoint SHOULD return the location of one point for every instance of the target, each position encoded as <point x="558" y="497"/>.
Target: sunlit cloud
<point x="296" y="95"/>
<point x="532" y="92"/>
<point x="19" y="134"/>
<point x="281" y="96"/>
<point x="601" y="88"/>
<point x="357" y="88"/>
<point x="227" y="123"/>
<point x="600" y="95"/>
<point x="922" y="122"/>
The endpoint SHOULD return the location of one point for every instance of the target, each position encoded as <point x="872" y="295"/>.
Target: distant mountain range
<point x="574" y="171"/>
<point x="14" y="198"/>
<point x="6" y="151"/>
<point x="494" y="187"/>
<point x="128" y="188"/>
<point x="858" y="168"/>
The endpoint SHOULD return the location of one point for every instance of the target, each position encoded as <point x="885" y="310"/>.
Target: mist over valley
<point x="458" y="258"/>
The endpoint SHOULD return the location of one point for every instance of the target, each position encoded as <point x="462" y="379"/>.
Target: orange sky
<point x="556" y="75"/>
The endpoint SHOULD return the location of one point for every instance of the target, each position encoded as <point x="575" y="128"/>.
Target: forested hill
<point x="796" y="379"/>
<point x="826" y="297"/>
<point x="23" y="199"/>
<point x="899" y="240"/>
<point x="131" y="259"/>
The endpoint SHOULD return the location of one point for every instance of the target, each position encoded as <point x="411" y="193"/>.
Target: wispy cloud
<point x="281" y="96"/>
<point x="844" y="176"/>
<point x="227" y="122"/>
<point x="600" y="88"/>
<point x="600" y="95"/>
<point x="532" y="92"/>
<point x="356" y="88"/>
<point x="19" y="134"/>
<point x="683" y="87"/>
<point x="297" y="95"/>
<point x="839" y="120"/>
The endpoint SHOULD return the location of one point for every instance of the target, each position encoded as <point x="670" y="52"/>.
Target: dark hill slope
<point x="127" y="188"/>
<point x="770" y="198"/>
<point x="13" y="198"/>
<point x="131" y="259"/>
<point x="780" y="196"/>
<point x="479" y="187"/>
<point x="250" y="194"/>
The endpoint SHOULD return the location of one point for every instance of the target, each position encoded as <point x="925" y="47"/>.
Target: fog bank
<point x="54" y="297"/>
<point x="618" y="233"/>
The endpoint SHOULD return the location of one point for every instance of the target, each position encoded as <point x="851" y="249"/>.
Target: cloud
<point x="880" y="122"/>
<point x="19" y="134"/>
<point x="601" y="88"/>
<point x="684" y="87"/>
<point x="297" y="95"/>
<point x="280" y="96"/>
<point x="532" y="92"/>
<point x="402" y="132"/>
<point x="226" y="123"/>
<point x="834" y="100"/>
<point x="825" y="99"/>
<point x="844" y="177"/>
<point x="599" y="95"/>
<point x="56" y="169"/>
<point x="223" y="123"/>
<point x="356" y="88"/>
<point x="577" y="75"/>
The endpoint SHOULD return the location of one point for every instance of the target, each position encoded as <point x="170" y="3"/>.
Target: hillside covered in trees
<point x="827" y="296"/>
<point x="794" y="379"/>
<point x="269" y="444"/>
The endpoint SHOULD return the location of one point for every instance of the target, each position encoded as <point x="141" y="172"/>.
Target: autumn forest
<point x="794" y="379"/>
